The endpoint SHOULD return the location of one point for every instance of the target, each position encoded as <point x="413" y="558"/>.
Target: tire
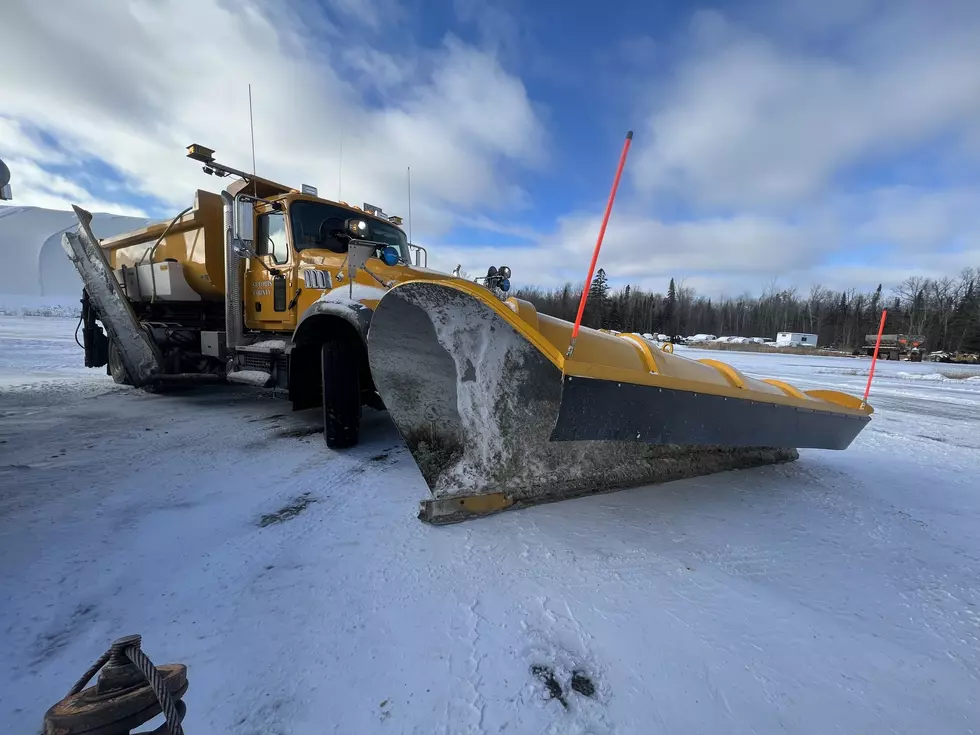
<point x="116" y="368"/>
<point x="341" y="394"/>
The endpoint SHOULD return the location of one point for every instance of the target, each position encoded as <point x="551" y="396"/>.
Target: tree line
<point x="945" y="311"/>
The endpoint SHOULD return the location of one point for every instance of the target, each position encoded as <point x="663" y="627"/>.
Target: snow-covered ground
<point x="840" y="593"/>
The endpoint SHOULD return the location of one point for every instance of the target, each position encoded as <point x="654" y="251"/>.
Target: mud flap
<point x="477" y="404"/>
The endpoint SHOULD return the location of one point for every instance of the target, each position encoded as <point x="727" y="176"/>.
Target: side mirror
<point x="390" y="255"/>
<point x="244" y="220"/>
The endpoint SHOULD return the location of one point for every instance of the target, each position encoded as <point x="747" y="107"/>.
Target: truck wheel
<point x="341" y="395"/>
<point x="116" y="368"/>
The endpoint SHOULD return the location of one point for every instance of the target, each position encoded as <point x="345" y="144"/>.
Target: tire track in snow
<point x="466" y="705"/>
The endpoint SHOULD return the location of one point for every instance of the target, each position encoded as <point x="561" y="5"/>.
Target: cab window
<point x="321" y="225"/>
<point x="270" y="237"/>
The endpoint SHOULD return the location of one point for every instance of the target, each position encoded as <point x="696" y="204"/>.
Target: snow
<point x="344" y="293"/>
<point x="57" y="306"/>
<point x="839" y="593"/>
<point x="269" y="345"/>
<point x="34" y="263"/>
<point x="250" y="377"/>
<point x="486" y="359"/>
<point x="947" y="375"/>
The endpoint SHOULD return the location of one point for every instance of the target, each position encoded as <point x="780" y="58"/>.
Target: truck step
<point x="266" y="347"/>
<point x="188" y="379"/>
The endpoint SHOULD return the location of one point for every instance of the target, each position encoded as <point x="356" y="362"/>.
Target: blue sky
<point x="792" y="142"/>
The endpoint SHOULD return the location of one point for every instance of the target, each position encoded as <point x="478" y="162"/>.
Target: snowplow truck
<point x="331" y="306"/>
<point x="895" y="346"/>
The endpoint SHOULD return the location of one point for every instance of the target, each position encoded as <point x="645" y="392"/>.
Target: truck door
<point x="270" y="279"/>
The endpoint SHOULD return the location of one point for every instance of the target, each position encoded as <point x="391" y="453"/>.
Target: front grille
<point x="260" y="361"/>
<point x="317" y="279"/>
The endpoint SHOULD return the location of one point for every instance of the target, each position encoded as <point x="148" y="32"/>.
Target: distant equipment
<point x="896" y="346"/>
<point x="796" y="339"/>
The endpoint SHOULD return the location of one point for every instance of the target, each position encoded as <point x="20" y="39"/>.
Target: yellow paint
<point x="644" y="347"/>
<point x="733" y="376"/>
<point x="195" y="241"/>
<point x="605" y="356"/>
<point x="786" y="388"/>
<point x="485" y="503"/>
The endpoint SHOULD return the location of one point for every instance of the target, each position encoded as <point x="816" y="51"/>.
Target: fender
<point x="326" y="316"/>
<point x="352" y="312"/>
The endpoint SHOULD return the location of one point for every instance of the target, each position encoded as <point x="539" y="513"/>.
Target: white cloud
<point x="766" y="131"/>
<point x="749" y="120"/>
<point x="645" y="251"/>
<point x="897" y="232"/>
<point x="371" y="13"/>
<point x="24" y="152"/>
<point x="133" y="82"/>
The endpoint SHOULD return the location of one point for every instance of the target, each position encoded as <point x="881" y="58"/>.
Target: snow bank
<point x="836" y="594"/>
<point x="34" y="263"/>
<point x="948" y="375"/>
<point x="50" y="306"/>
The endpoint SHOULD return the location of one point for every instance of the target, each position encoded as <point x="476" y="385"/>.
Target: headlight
<point x="357" y="227"/>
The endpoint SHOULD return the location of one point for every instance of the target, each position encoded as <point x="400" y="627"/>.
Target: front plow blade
<point x="477" y="404"/>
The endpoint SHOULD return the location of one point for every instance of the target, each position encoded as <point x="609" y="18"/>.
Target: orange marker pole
<point x="874" y="358"/>
<point x="598" y="244"/>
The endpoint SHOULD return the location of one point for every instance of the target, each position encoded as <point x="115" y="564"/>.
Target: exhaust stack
<point x="233" y="282"/>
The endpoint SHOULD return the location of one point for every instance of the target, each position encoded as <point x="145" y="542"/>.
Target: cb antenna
<point x="410" y="204"/>
<point x="251" y="127"/>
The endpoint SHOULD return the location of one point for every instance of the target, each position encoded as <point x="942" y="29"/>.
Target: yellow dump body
<point x="195" y="241"/>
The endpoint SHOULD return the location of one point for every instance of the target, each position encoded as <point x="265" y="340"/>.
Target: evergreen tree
<point x="874" y="308"/>
<point x="946" y="311"/>
<point x="965" y="325"/>
<point x="670" y="310"/>
<point x="596" y="304"/>
<point x="600" y="287"/>
<point x="613" y="319"/>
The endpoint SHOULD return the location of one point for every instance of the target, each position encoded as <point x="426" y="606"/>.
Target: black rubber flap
<point x="598" y="410"/>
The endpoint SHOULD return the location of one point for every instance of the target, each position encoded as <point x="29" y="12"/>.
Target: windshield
<point x="314" y="225"/>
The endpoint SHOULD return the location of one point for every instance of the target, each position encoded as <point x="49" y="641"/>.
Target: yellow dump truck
<point x="272" y="286"/>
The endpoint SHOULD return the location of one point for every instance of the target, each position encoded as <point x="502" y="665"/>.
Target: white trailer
<point x="796" y="339"/>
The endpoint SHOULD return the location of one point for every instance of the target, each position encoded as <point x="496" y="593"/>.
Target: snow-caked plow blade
<point x="138" y="352"/>
<point x="496" y="416"/>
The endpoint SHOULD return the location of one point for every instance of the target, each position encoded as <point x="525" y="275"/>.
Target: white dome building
<point x="34" y="266"/>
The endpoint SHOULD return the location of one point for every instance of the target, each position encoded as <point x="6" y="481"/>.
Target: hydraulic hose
<point x="152" y="252"/>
